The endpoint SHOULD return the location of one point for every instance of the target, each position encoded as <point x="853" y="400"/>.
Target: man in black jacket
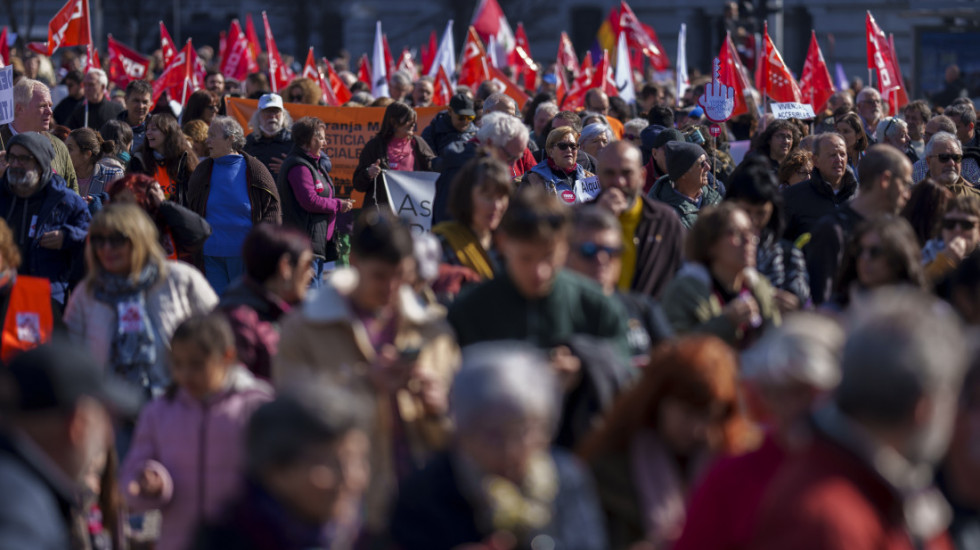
<point x="830" y="186"/>
<point x="452" y="126"/>
<point x="95" y="110"/>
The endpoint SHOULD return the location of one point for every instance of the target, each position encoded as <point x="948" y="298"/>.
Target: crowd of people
<point x="615" y="336"/>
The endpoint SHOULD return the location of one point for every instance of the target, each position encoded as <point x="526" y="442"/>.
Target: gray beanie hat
<point x="40" y="147"/>
<point x="681" y="156"/>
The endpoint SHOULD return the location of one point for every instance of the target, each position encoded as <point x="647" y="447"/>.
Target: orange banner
<point x="348" y="129"/>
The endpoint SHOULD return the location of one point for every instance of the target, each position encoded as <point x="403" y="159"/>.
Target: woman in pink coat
<point x="186" y="457"/>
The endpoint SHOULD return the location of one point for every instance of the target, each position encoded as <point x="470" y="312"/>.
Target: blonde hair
<point x="557" y="134"/>
<point x="134" y="223"/>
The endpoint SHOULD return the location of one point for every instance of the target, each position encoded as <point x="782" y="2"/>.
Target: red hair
<point x="700" y="371"/>
<point x="137" y="184"/>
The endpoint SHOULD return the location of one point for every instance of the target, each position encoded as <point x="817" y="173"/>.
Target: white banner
<point x="7" y="94"/>
<point x="801" y="111"/>
<point x="411" y="195"/>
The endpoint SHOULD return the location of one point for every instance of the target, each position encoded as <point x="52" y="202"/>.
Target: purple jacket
<point x="196" y="447"/>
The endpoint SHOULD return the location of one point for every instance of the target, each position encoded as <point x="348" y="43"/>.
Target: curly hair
<point x="309" y="90"/>
<point x="761" y="142"/>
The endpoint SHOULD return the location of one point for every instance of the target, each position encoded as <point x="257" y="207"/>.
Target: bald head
<point x="597" y="101"/>
<point x="621" y="166"/>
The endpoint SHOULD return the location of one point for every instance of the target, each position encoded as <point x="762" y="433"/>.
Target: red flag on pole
<point x="167" y="47"/>
<point x="71" y="26"/>
<point x="4" y="48"/>
<point x="407" y="64"/>
<point x="278" y="72"/>
<point x="92" y="60"/>
<point x="602" y="77"/>
<point x="489" y="20"/>
<point x="778" y="82"/>
<point x="177" y="78"/>
<point x="238" y="62"/>
<point x="522" y="61"/>
<point x="642" y="37"/>
<point x="511" y="89"/>
<point x="443" y="88"/>
<point x="731" y="74"/>
<point x="575" y="97"/>
<point x="310" y="69"/>
<point x="473" y="68"/>
<point x="254" y="46"/>
<point x="900" y="98"/>
<point x="566" y="55"/>
<point x="125" y="63"/>
<point x="364" y="70"/>
<point x="340" y="90"/>
<point x="389" y="60"/>
<point x="879" y="57"/>
<point x="428" y="52"/>
<point x="561" y="84"/>
<point x="816" y="85"/>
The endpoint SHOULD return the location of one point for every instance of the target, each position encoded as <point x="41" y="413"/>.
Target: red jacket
<point x="522" y="165"/>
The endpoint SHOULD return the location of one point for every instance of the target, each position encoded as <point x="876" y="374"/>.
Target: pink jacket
<point x="196" y="447"/>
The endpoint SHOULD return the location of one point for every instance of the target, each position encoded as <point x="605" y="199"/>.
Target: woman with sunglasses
<point x="303" y="90"/>
<point x="201" y="105"/>
<point x="133" y="298"/>
<point x="559" y="172"/>
<point x="959" y="236"/>
<point x="166" y="156"/>
<point x="883" y="252"/>
<point x="395" y="147"/>
<point x="719" y="291"/>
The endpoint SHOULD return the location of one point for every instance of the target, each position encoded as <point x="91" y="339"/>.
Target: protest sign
<point x="348" y="129"/>
<point x="586" y="190"/>
<point x="7" y="94"/>
<point x="411" y="195"/>
<point x="801" y="111"/>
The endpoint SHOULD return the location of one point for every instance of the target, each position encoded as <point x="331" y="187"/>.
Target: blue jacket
<point x="60" y="209"/>
<point x="440" y="133"/>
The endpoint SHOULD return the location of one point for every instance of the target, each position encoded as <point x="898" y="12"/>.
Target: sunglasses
<point x="952" y="223"/>
<point x="944" y="158"/>
<point x="874" y="252"/>
<point x="468" y="118"/>
<point x="565" y="146"/>
<point x="114" y="240"/>
<point x="591" y="250"/>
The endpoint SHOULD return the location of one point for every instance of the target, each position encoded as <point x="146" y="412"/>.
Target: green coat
<point x="663" y="191"/>
<point x="495" y="310"/>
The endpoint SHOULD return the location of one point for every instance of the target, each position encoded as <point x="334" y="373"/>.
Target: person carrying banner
<point x="395" y="147"/>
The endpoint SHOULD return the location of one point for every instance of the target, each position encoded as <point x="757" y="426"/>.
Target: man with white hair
<point x="95" y="110"/>
<point x="864" y="480"/>
<point x="499" y="103"/>
<point x="504" y="136"/>
<point x="271" y="139"/>
<point x="869" y="108"/>
<point x="400" y="87"/>
<point x="33" y="113"/>
<point x="944" y="156"/>
<point x="942" y="123"/>
<point x="894" y="131"/>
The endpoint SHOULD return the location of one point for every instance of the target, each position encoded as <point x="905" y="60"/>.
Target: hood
<point x="40" y="148"/>
<point x="329" y="304"/>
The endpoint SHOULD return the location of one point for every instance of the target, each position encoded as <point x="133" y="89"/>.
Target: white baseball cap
<point x="270" y="101"/>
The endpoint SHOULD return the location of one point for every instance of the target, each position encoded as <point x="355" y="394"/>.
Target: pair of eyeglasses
<point x="565" y="146"/>
<point x="952" y="223"/>
<point x="944" y="158"/>
<point x="591" y="250"/>
<point x="114" y="240"/>
<point x="19" y="159"/>
<point x="743" y="237"/>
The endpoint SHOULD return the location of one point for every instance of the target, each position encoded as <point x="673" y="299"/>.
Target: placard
<point x="801" y="111"/>
<point x="7" y="94"/>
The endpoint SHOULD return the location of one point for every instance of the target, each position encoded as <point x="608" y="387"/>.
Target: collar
<point x="559" y="170"/>
<point x="695" y="201"/>
<point x="13" y="131"/>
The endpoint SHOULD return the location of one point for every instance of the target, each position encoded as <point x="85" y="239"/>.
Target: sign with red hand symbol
<point x="718" y="99"/>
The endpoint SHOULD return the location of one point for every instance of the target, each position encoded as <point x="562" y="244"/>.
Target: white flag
<point x="683" y="82"/>
<point x="446" y="55"/>
<point x="624" y="72"/>
<point x="379" y="69"/>
<point x="492" y="51"/>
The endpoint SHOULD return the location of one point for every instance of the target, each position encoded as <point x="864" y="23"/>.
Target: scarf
<point x="134" y="350"/>
<point x="466" y="247"/>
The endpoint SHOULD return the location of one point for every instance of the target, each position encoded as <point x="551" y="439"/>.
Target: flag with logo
<point x="642" y="37"/>
<point x="816" y="85"/>
<point x="238" y="62"/>
<point x="125" y="63"/>
<point x="566" y="55"/>
<point x="474" y="68"/>
<point x="880" y="58"/>
<point x="177" y="78"/>
<point x="442" y="90"/>
<point x="489" y="21"/>
<point x="522" y="61"/>
<point x="279" y="76"/>
<point x="340" y="90"/>
<point x="71" y="26"/>
<point x="778" y="83"/>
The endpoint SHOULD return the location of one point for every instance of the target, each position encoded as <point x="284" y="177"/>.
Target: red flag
<point x="575" y="97"/>
<point x="879" y="57"/>
<point x="310" y="69"/>
<point x="778" y="81"/>
<point x="816" y="84"/>
<point x="167" y="47"/>
<point x="4" y="48"/>
<point x="474" y="68"/>
<point x="429" y="52"/>
<point x="443" y="89"/>
<point x="92" y="60"/>
<point x="407" y="64"/>
<point x="254" y="46"/>
<point x="278" y="72"/>
<point x="522" y="59"/>
<point x="586" y="62"/>
<point x="561" y="84"/>
<point x="731" y="74"/>
<point x="177" y="78"/>
<point x="603" y="77"/>
<point x="364" y="70"/>
<point x="489" y="20"/>
<point x="900" y="98"/>
<point x="125" y="63"/>
<point x="511" y="89"/>
<point x="566" y="55"/>
<point x="222" y="45"/>
<point x="389" y="60"/>
<point x="71" y="26"/>
<point x="238" y="62"/>
<point x="642" y="37"/>
<point x="340" y="90"/>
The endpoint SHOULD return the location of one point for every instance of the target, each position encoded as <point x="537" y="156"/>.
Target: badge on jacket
<point x="29" y="327"/>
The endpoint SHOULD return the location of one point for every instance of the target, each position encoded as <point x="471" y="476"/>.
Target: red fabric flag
<point x="731" y="74"/>
<point x="92" y="60"/>
<point x="364" y="70"/>
<point x="254" y="46"/>
<point x="167" y="47"/>
<point x="561" y="84"/>
<point x="566" y="55"/>
<point x="511" y="89"/>
<point x="4" y="48"/>
<point x="603" y="77"/>
<point x="340" y="90"/>
<point x="489" y="20"/>
<point x="238" y="62"/>
<point x="816" y="85"/>
<point x="222" y="45"/>
<point x="899" y="98"/>
<point x="522" y="59"/>
<point x="586" y="63"/>
<point x="443" y="88"/>
<point x="71" y="26"/>
<point x="642" y="37"/>
<point x="406" y="63"/>
<point x="575" y="97"/>
<point x="429" y="52"/>
<point x="879" y="57"/>
<point x="778" y="81"/>
<point x="278" y="72"/>
<point x="310" y="69"/>
<point x="177" y="78"/>
<point x="473" y="68"/>
<point x="125" y="63"/>
<point x="389" y="60"/>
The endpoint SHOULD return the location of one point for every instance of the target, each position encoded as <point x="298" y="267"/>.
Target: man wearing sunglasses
<point x="48" y="220"/>
<point x="944" y="156"/>
<point x="685" y="187"/>
<point x="452" y="126"/>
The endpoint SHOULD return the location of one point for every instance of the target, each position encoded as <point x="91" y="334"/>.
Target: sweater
<point x="229" y="212"/>
<point x="262" y="193"/>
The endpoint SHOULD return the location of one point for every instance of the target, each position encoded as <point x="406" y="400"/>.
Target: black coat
<point x="98" y="115"/>
<point x="826" y="249"/>
<point x="808" y="201"/>
<point x="440" y="133"/>
<point x="377" y="149"/>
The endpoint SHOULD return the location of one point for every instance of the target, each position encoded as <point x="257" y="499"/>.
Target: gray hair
<point x="867" y="91"/>
<point x="889" y="127"/>
<point x="231" y="130"/>
<point x="255" y="123"/>
<point x="549" y="106"/>
<point x="595" y="130"/>
<point x="942" y="137"/>
<point x="100" y="74"/>
<point x="635" y="126"/>
<point x="500" y="128"/>
<point x="510" y="377"/>
<point x="494" y="101"/>
<point x="400" y="79"/>
<point x="805" y="349"/>
<point x="586" y="115"/>
<point x="24" y="91"/>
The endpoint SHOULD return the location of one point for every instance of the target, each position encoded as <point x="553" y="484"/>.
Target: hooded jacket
<point x="663" y="191"/>
<point x="62" y="160"/>
<point x="440" y="133"/>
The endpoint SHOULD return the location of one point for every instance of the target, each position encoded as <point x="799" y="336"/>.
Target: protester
<point x="656" y="166"/>
<point x="303" y="91"/>
<point x="965" y="119"/>
<point x="858" y="485"/>
<point x="830" y="185"/>
<point x="543" y="113"/>
<point x="200" y="105"/>
<point x="652" y="235"/>
<point x="850" y="127"/>
<point x="139" y="101"/>
<point x="959" y="236"/>
<point x="422" y="92"/>
<point x="660" y="436"/>
<point x="270" y="140"/>
<point x="480" y="490"/>
<point x="594" y="137"/>
<point x="451" y="126"/>
<point x="597" y="101"/>
<point x="73" y="83"/>
<point x="632" y="130"/>
<point x="96" y="109"/>
<point x="132" y="299"/>
<point x="57" y="408"/>
<point x="685" y="187"/>
<point x="307" y="194"/>
<point x="944" y="157"/>
<point x="214" y="82"/>
<point x="86" y="149"/>
<point x="196" y="132"/>
<point x="916" y="114"/>
<point x="869" y="109"/>
<point x="776" y="142"/>
<point x="559" y="173"/>
<point x="883" y="252"/>
<point x="121" y="136"/>
<point x="166" y="157"/>
<point x="395" y="147"/>
<point x="797" y="167"/>
<point x="245" y="195"/>
<point x="895" y="132"/>
<point x="400" y="86"/>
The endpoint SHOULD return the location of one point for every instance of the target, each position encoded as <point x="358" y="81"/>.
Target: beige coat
<point x="324" y="341"/>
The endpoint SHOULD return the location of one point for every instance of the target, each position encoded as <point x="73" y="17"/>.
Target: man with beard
<point x="869" y="108"/>
<point x="270" y="140"/>
<point x="944" y="156"/>
<point x="139" y="101"/>
<point x="48" y="220"/>
<point x="32" y="113"/>
<point x="56" y="406"/>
